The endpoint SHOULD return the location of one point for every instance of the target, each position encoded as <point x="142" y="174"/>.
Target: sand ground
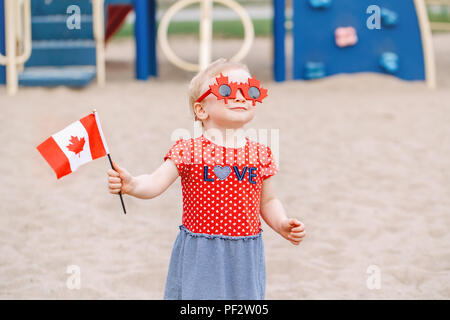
<point x="363" y="159"/>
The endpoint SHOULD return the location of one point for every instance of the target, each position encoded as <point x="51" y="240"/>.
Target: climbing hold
<point x="389" y="62"/>
<point x="320" y="4"/>
<point x="345" y="36"/>
<point x="389" y="18"/>
<point x="314" y="70"/>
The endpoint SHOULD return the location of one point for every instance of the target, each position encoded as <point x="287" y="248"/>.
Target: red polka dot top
<point x="221" y="186"/>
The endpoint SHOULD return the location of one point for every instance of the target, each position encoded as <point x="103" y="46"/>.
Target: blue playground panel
<point x="59" y="7"/>
<point x="314" y="40"/>
<point x="62" y="53"/>
<point x="54" y="45"/>
<point x="60" y="56"/>
<point x="65" y="76"/>
<point x="54" y="27"/>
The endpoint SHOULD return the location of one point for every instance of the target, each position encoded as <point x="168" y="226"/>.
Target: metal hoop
<point x="249" y="34"/>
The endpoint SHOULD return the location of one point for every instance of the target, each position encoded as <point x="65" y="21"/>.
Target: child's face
<point x="237" y="112"/>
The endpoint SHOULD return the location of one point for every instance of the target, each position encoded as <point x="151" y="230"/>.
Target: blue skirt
<point x="216" y="267"/>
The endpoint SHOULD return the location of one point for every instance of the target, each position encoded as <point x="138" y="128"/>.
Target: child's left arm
<point x="272" y="212"/>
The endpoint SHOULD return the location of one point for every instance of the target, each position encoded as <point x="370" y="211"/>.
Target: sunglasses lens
<point x="253" y="92"/>
<point x="224" y="90"/>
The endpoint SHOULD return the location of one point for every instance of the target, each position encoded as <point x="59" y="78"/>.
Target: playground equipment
<point x="330" y="37"/>
<point x="53" y="53"/>
<point x="8" y="13"/>
<point x="74" y="56"/>
<point x="144" y="31"/>
<point x="347" y="36"/>
<point x="206" y="7"/>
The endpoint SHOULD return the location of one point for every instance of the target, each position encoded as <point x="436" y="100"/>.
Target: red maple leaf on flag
<point x="76" y="145"/>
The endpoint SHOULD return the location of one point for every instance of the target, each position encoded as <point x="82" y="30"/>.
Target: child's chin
<point x="239" y="121"/>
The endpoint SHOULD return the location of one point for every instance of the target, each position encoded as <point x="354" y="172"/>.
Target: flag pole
<point x="110" y="162"/>
<point x="120" y="192"/>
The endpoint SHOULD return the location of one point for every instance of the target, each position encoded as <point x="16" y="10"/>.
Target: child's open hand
<point x="119" y="180"/>
<point x="293" y="230"/>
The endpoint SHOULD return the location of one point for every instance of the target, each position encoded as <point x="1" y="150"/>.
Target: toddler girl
<point x="219" y="252"/>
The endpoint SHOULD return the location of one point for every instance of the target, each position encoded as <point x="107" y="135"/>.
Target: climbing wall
<point x="342" y="36"/>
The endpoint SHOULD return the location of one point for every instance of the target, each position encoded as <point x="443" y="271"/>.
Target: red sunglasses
<point x="227" y="90"/>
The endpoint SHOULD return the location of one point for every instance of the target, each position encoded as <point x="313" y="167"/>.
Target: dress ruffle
<point x="220" y="236"/>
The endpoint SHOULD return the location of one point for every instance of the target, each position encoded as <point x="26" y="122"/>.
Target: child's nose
<point x="239" y="96"/>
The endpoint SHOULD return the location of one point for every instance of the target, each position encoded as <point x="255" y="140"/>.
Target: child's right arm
<point x="146" y="186"/>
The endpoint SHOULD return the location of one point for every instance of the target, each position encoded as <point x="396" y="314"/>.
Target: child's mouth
<point x="239" y="108"/>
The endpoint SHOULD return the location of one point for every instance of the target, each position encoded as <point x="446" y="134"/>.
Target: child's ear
<point x="200" y="112"/>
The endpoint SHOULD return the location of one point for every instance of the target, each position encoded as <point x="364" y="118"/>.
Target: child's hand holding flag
<point x="119" y="180"/>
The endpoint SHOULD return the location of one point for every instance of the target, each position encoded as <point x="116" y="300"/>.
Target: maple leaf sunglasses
<point x="225" y="90"/>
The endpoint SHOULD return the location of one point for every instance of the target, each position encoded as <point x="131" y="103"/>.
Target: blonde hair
<point x="213" y="70"/>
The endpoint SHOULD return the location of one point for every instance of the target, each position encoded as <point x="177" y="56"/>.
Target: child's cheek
<point x="210" y="106"/>
<point x="215" y="109"/>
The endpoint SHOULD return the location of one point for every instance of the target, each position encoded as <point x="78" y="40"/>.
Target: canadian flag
<point x="77" y="144"/>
